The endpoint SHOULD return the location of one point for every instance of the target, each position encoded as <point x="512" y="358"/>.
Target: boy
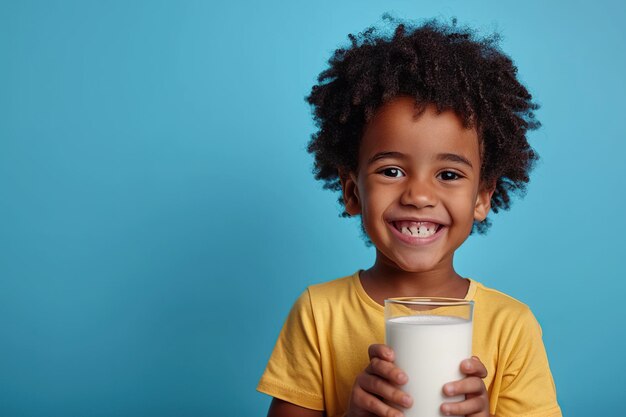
<point x="423" y="134"/>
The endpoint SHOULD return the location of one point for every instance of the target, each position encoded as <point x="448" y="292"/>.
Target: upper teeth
<point x="419" y="229"/>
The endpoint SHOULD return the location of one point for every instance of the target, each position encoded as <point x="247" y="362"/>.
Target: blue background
<point x="158" y="213"/>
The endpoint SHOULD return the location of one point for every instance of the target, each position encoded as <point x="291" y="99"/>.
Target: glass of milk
<point x="430" y="337"/>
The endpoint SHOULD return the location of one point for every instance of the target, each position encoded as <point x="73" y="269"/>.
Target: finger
<point x="468" y="407"/>
<point x="383" y="389"/>
<point x="474" y="366"/>
<point x="381" y="351"/>
<point x="470" y="385"/>
<point x="387" y="370"/>
<point x="366" y="401"/>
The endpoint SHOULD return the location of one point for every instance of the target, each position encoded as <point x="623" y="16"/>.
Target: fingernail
<point x="468" y="364"/>
<point x="402" y="378"/>
<point x="407" y="401"/>
<point x="445" y="409"/>
<point x="449" y="389"/>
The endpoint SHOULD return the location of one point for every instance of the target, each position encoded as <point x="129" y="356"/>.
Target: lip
<point x="413" y="240"/>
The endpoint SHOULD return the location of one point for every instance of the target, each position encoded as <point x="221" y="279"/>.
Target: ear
<point x="350" y="192"/>
<point x="483" y="202"/>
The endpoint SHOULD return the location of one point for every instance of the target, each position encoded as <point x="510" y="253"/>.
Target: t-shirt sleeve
<point x="527" y="386"/>
<point x="293" y="372"/>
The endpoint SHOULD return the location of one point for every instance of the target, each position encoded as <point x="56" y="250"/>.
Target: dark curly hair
<point x="440" y="64"/>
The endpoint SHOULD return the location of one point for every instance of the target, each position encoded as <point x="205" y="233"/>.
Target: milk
<point x="430" y="350"/>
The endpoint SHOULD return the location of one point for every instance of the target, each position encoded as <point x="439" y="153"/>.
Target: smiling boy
<point x="423" y="134"/>
<point x="418" y="191"/>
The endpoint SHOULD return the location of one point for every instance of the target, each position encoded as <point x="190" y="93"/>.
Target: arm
<point x="527" y="387"/>
<point x="280" y="408"/>
<point x="294" y="372"/>
<point x="375" y="385"/>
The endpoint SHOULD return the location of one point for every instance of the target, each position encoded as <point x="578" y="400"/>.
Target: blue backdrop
<point x="159" y="216"/>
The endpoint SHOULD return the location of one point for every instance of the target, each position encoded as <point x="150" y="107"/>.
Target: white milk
<point x="430" y="350"/>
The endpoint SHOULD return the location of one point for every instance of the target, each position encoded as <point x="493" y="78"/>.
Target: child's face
<point x="417" y="186"/>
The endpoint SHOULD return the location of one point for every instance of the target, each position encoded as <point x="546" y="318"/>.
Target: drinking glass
<point x="430" y="337"/>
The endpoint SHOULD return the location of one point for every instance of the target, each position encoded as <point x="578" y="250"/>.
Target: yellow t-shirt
<point x="323" y="346"/>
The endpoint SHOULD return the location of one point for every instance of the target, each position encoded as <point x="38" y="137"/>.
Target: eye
<point x="392" y="172"/>
<point x="449" y="176"/>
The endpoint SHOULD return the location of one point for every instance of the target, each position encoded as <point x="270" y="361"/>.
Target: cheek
<point x="372" y="209"/>
<point x="464" y="206"/>
<point x="369" y="209"/>
<point x="376" y="199"/>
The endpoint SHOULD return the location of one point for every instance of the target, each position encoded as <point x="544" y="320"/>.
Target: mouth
<point x="416" y="229"/>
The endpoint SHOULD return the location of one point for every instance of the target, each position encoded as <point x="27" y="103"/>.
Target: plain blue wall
<point x="158" y="214"/>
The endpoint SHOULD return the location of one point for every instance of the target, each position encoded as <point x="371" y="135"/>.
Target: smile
<point x="416" y="232"/>
<point x="418" y="229"/>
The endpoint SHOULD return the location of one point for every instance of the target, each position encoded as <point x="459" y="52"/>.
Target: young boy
<point x="423" y="133"/>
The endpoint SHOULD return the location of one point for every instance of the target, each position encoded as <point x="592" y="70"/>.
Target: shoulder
<point x="334" y="288"/>
<point x="332" y="291"/>
<point x="498" y="307"/>
<point x="340" y="294"/>
<point x="492" y="297"/>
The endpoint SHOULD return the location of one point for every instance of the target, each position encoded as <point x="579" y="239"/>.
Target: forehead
<point x="397" y="126"/>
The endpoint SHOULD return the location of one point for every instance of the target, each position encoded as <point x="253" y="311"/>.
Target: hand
<point x="376" y="387"/>
<point x="476" y="403"/>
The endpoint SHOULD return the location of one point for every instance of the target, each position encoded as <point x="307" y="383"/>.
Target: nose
<point x="420" y="193"/>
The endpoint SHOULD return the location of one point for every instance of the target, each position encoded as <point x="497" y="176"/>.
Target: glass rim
<point x="429" y="301"/>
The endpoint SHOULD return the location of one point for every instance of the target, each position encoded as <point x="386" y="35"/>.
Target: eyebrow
<point x="452" y="157"/>
<point x="383" y="155"/>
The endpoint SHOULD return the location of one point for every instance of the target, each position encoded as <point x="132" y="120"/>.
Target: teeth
<point x="425" y="231"/>
<point x="418" y="229"/>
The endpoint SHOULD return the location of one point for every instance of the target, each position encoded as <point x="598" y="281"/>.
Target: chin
<point x="418" y="269"/>
<point x="416" y="266"/>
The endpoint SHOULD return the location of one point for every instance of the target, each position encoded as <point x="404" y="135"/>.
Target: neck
<point x="383" y="281"/>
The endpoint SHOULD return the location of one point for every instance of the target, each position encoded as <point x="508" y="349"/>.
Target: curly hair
<point x="439" y="64"/>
